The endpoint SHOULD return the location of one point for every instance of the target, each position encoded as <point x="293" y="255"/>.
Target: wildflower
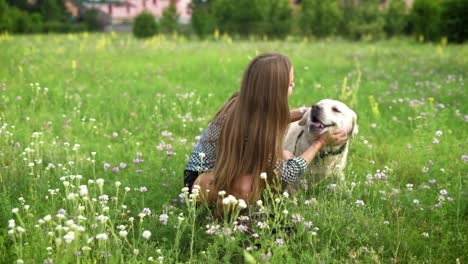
<point x="242" y="204"/>
<point x="435" y="141"/>
<point x="115" y="170"/>
<point x="123" y="233"/>
<point x="102" y="236"/>
<point x="432" y="181"/>
<point x="416" y="202"/>
<point x="297" y="218"/>
<point x="122" y="165"/>
<point x="19" y="261"/>
<point x="443" y="192"/>
<point x="425" y="234"/>
<point x="106" y="166"/>
<point x="127" y="189"/>
<point x="143" y="189"/>
<point x="260" y="203"/>
<point x="15" y="210"/>
<point x="115" y="134"/>
<point x="201" y="155"/>
<point x="100" y="181"/>
<point x="211" y="229"/>
<point x="279" y="242"/>
<point x="464" y="158"/>
<point x="263" y="176"/>
<point x="438" y="133"/>
<point x="117" y="184"/>
<point x="146" y="234"/>
<point x="386" y="222"/>
<point x="222" y="193"/>
<point x="146" y="211"/>
<point x="409" y="186"/>
<point x="163" y="219"/>
<point x="285" y="194"/>
<point x="69" y="237"/>
<point x="359" y="202"/>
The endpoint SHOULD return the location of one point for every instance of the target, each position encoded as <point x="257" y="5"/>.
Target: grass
<point x="95" y="131"/>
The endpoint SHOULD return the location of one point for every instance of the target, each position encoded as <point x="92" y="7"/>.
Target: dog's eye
<point x="336" y="110"/>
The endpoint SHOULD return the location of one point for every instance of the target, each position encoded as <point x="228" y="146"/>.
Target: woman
<point x="245" y="138"/>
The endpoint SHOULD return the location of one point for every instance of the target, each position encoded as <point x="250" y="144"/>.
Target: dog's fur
<point x="326" y="115"/>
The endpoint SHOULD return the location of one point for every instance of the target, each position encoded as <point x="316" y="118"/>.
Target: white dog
<point x="326" y="115"/>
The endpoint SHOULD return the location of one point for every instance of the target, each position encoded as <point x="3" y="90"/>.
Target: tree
<point x="425" y="19"/>
<point x="319" y="17"/>
<point x="203" y="22"/>
<point x="396" y="18"/>
<point x="278" y="18"/>
<point x="170" y="18"/>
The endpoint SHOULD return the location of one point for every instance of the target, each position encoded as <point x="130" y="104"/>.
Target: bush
<point x="454" y="20"/>
<point x="90" y="19"/>
<point x="320" y="18"/>
<point x="243" y="17"/>
<point x="396" y="18"/>
<point x="425" y="19"/>
<point x="145" y="25"/>
<point x="170" y="19"/>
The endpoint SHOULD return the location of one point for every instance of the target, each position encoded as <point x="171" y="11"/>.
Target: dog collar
<point x="324" y="154"/>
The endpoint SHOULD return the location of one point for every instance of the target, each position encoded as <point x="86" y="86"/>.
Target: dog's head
<point x="329" y="115"/>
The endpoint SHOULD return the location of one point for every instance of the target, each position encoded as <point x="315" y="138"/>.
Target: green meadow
<point x="95" y="130"/>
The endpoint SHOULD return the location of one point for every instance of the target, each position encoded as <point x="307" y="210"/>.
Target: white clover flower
<point x="117" y="184"/>
<point x="425" y="234"/>
<point x="222" y="193"/>
<point x="185" y="189"/>
<point x="438" y="133"/>
<point x="102" y="236"/>
<point x="277" y="200"/>
<point x="15" y="210"/>
<point x="20" y="229"/>
<point x="443" y="192"/>
<point x="100" y="181"/>
<point x="47" y="218"/>
<point x="11" y="223"/>
<point x="127" y="189"/>
<point x="19" y="261"/>
<point x="230" y="200"/>
<point x="146" y="234"/>
<point x="26" y="207"/>
<point x="359" y="202"/>
<point x="123" y="233"/>
<point x="71" y="196"/>
<point x="416" y="202"/>
<point x="263" y="176"/>
<point x="285" y="194"/>
<point x="260" y="203"/>
<point x="242" y="204"/>
<point x="69" y="237"/>
<point x="201" y="155"/>
<point x="285" y="212"/>
<point x="83" y="190"/>
<point x="86" y="248"/>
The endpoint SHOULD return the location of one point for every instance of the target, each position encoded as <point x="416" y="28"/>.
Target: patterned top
<point x="292" y="169"/>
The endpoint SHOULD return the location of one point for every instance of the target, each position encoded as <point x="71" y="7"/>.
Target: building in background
<point x="123" y="11"/>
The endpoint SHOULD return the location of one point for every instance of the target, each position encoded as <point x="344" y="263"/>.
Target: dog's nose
<point x="316" y="108"/>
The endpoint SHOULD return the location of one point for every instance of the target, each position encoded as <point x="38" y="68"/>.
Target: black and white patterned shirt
<point x="204" y="154"/>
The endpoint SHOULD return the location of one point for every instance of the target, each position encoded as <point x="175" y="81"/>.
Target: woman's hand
<point x="337" y="137"/>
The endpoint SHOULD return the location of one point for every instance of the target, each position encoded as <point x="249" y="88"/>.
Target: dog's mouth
<point x="316" y="124"/>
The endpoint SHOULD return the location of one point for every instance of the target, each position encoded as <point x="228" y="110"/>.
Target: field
<point x="95" y="131"/>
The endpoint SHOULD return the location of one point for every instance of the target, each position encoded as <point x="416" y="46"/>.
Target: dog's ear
<point x="354" y="128"/>
<point x="303" y="121"/>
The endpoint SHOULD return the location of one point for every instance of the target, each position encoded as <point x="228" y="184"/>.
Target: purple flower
<point x="280" y="242"/>
<point x="138" y="171"/>
<point x="432" y="181"/>
<point x="123" y="165"/>
<point x="139" y="154"/>
<point x="146" y="211"/>
<point x="115" y="170"/>
<point x="464" y="158"/>
<point x="106" y="166"/>
<point x="138" y="161"/>
<point x="163" y="219"/>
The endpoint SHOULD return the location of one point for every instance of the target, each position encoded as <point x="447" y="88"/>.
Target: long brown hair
<point x="255" y="121"/>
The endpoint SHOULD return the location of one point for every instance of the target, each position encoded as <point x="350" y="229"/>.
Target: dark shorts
<point x="189" y="178"/>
